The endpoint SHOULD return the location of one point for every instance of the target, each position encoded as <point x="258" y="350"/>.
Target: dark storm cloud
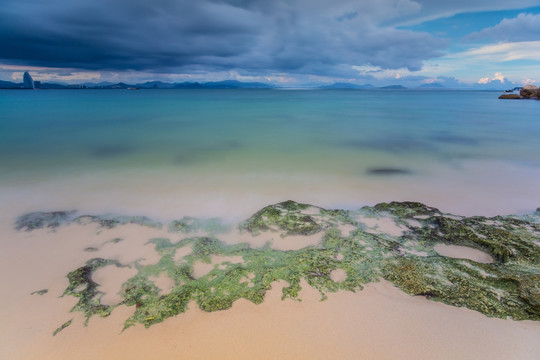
<point x="124" y="34"/>
<point x="301" y="36"/>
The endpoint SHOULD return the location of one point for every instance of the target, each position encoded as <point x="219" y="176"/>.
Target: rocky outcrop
<point x="526" y="92"/>
<point x="529" y="91"/>
<point x="509" y="96"/>
<point x="396" y="241"/>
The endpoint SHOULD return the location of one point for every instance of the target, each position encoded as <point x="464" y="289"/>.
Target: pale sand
<point x="273" y="239"/>
<point x="200" y="268"/>
<point x="182" y="252"/>
<point x="338" y="275"/>
<point x="380" y="322"/>
<point x="111" y="279"/>
<point x="164" y="283"/>
<point x="463" y="252"/>
<point x="383" y="225"/>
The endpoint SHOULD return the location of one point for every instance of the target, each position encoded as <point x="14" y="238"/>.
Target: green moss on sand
<point x="507" y="288"/>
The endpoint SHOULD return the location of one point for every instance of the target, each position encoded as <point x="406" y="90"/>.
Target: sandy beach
<point x="380" y="322"/>
<point x="285" y="179"/>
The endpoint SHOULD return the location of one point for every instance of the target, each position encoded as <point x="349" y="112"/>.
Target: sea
<point x="227" y="153"/>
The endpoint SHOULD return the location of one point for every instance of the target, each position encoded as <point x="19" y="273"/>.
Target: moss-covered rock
<point x="40" y="220"/>
<point x="82" y="286"/>
<point x="62" y="327"/>
<point x="507" y="288"/>
<point x="406" y="209"/>
<point x="292" y="218"/>
<point x="112" y="221"/>
<point x="190" y="225"/>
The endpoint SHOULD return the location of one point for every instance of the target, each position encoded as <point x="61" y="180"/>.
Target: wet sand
<point x="380" y="322"/>
<point x="463" y="252"/>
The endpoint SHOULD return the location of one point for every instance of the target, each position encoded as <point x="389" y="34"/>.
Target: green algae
<point x="292" y="218"/>
<point x="62" y="327"/>
<point x="41" y="220"/>
<point x="507" y="288"/>
<point x="189" y="225"/>
<point x="112" y="221"/>
<point x="82" y="286"/>
<point x="52" y="220"/>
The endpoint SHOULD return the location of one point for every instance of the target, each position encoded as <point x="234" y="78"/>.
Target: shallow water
<point x="463" y="252"/>
<point x="228" y="153"/>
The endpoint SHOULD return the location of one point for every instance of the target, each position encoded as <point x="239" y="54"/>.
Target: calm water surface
<point x="342" y="147"/>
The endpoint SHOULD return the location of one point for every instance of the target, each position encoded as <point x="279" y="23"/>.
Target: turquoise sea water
<point x="346" y="147"/>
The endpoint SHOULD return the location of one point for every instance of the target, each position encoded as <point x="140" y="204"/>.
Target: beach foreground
<point x="378" y="322"/>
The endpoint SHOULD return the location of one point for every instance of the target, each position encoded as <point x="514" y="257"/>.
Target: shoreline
<point x="200" y="193"/>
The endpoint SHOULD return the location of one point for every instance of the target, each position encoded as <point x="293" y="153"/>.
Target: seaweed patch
<point x="508" y="287"/>
<point x="41" y="220"/>
<point x="62" y="327"/>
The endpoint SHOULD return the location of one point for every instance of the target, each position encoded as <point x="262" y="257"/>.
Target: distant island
<point x="29" y="83"/>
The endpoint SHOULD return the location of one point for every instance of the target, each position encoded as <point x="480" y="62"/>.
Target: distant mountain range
<point x="347" y="86"/>
<point x="227" y="84"/>
<point x="361" y="87"/>
<point x="431" y="86"/>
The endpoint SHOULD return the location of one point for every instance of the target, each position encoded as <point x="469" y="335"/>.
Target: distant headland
<point x="526" y="92"/>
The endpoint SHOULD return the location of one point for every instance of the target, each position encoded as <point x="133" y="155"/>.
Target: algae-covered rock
<point x="190" y="225"/>
<point x="405" y="209"/>
<point x="82" y="286"/>
<point x="40" y="220"/>
<point x="112" y="221"/>
<point x="292" y="218"/>
<point x="507" y="288"/>
<point x="287" y="216"/>
<point x="62" y="327"/>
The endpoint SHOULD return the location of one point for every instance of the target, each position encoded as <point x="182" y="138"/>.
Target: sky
<point x="458" y="43"/>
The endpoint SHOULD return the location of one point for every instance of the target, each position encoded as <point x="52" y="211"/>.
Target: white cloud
<point x="502" y="52"/>
<point x="434" y="9"/>
<point x="483" y="80"/>
<point x="496" y="77"/>
<point x="528" y="81"/>
<point x="524" y="27"/>
<point x="55" y="76"/>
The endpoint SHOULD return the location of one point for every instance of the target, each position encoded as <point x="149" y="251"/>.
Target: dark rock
<point x="509" y="96"/>
<point x="40" y="220"/>
<point x="529" y="91"/>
